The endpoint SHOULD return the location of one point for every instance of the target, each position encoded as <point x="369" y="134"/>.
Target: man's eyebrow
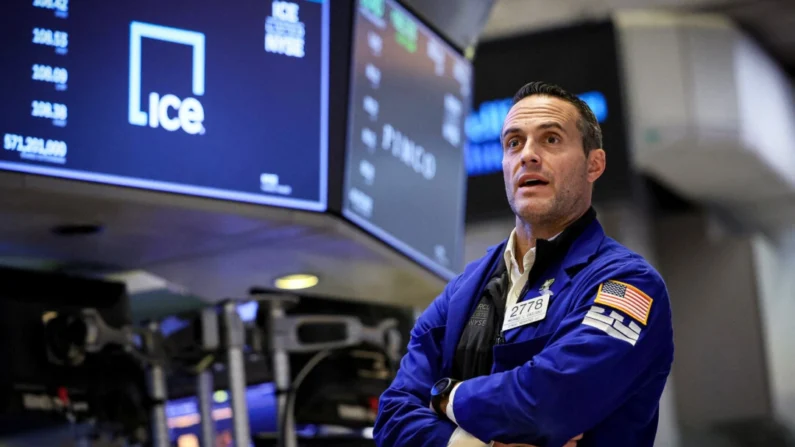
<point x="510" y="130"/>
<point x="543" y="126"/>
<point x="552" y="125"/>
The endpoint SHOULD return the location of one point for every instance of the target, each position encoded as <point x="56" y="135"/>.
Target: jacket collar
<point x="565" y="246"/>
<point x="585" y="245"/>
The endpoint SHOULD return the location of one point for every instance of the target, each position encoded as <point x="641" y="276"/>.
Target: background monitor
<point x="184" y="419"/>
<point x="200" y="98"/>
<point x="409" y="97"/>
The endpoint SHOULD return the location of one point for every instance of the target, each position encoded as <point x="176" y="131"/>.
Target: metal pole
<point x="236" y="368"/>
<point x="204" y="389"/>
<point x="281" y="372"/>
<point x="210" y="343"/>
<point x="157" y="391"/>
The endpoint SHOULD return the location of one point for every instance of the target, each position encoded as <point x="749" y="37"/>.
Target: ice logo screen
<point x="188" y="113"/>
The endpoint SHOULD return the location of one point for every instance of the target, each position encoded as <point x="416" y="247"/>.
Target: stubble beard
<point x="556" y="210"/>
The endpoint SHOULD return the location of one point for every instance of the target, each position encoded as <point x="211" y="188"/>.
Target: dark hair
<point x="587" y="124"/>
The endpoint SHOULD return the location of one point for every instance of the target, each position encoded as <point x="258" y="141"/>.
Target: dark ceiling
<point x="770" y="22"/>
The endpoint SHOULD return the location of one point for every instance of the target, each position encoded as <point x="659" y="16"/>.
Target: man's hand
<point x="571" y="443"/>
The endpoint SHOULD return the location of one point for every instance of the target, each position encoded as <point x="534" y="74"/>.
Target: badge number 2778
<point x="526" y="312"/>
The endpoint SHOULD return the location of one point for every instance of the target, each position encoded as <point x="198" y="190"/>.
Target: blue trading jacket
<point x="597" y="363"/>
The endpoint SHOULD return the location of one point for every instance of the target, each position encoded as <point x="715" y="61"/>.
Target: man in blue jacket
<point x="557" y="336"/>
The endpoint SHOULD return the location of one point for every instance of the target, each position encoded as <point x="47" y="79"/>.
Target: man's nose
<point x="529" y="153"/>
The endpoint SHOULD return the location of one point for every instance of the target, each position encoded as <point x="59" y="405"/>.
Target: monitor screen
<point x="404" y="176"/>
<point x="221" y="100"/>
<point x="184" y="419"/>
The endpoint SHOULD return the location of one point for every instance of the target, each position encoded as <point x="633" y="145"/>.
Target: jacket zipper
<point x="500" y="316"/>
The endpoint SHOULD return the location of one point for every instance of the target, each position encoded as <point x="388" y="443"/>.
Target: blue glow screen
<point x="222" y="100"/>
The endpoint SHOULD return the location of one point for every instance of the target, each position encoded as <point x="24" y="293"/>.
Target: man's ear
<point x="596" y="164"/>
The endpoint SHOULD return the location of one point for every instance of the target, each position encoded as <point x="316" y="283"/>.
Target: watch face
<point x="440" y="386"/>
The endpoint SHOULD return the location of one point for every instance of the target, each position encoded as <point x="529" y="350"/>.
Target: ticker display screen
<point x="405" y="176"/>
<point x="222" y="100"/>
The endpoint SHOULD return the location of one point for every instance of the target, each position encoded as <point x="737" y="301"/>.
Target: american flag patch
<point x="625" y="298"/>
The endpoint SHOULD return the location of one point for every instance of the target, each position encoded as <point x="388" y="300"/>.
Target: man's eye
<point x="553" y="139"/>
<point x="513" y="142"/>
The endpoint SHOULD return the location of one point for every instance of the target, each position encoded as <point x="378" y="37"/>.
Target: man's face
<point x="548" y="177"/>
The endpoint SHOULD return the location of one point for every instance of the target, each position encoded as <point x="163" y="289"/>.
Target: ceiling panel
<point x="519" y="16"/>
<point x="772" y="22"/>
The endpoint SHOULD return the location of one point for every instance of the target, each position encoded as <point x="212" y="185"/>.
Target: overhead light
<point x="296" y="282"/>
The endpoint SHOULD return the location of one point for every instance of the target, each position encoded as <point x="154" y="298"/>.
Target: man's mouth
<point x="532" y="183"/>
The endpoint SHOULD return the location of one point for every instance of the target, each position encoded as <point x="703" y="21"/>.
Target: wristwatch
<point x="440" y="391"/>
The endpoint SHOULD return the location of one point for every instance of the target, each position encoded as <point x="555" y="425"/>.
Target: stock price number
<point x="33" y="146"/>
<point x="57" y="5"/>
<point x="45" y="73"/>
<point x="50" y="38"/>
<point x="44" y="109"/>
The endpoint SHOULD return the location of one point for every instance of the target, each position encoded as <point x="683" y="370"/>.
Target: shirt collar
<point x="555" y="244"/>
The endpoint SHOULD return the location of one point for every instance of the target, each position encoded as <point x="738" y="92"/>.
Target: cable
<point x="205" y="363"/>
<point x="287" y="416"/>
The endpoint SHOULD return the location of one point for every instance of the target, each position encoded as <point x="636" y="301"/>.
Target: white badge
<point x="526" y="312"/>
